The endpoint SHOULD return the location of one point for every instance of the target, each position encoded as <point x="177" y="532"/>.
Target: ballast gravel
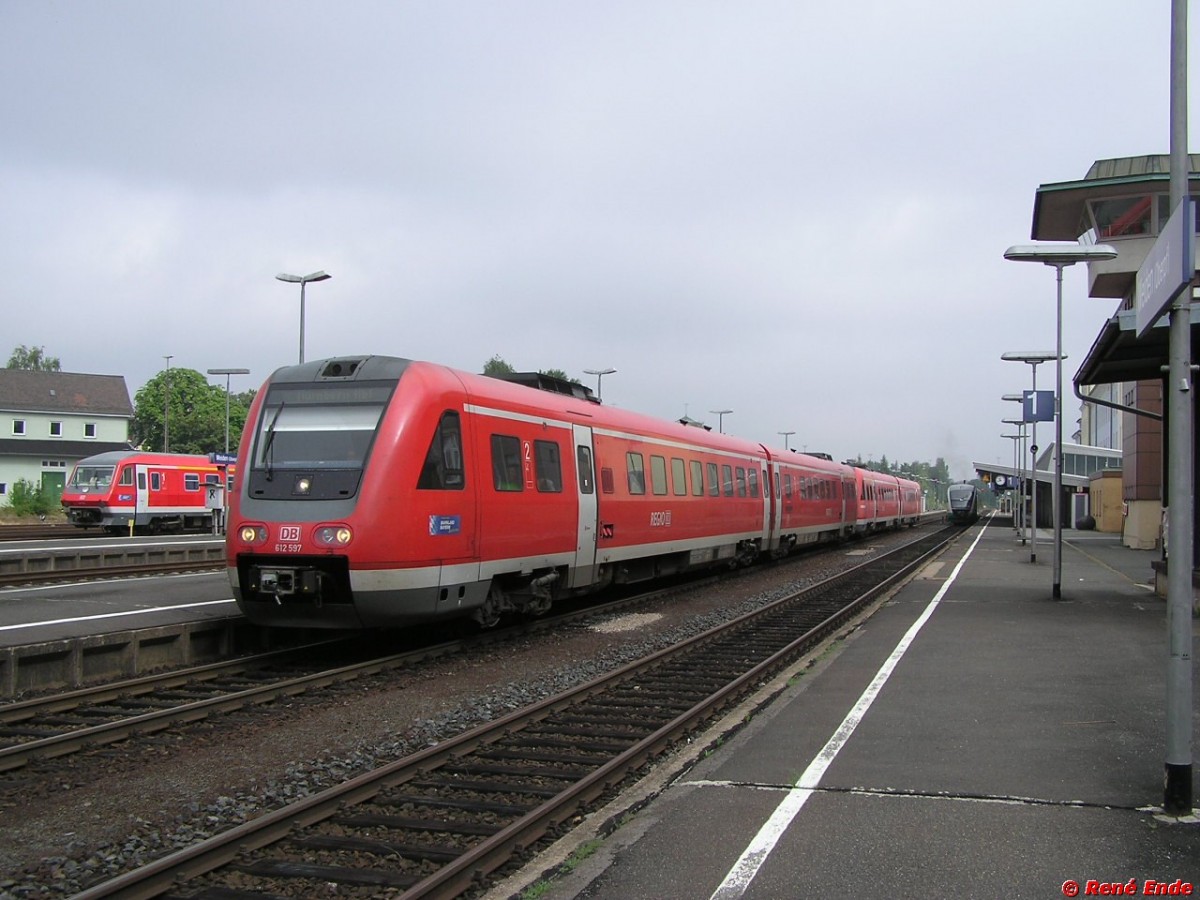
<point x="124" y="805"/>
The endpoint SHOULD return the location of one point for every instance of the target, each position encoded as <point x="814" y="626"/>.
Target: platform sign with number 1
<point x="1037" y="406"/>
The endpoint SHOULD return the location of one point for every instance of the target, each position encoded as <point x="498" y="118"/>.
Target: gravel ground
<point x="126" y="804"/>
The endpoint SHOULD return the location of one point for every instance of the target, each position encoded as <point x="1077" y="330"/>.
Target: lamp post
<point x="1016" y="439"/>
<point x="720" y="414"/>
<point x="1018" y="469"/>
<point x="302" y="280"/>
<point x="227" y="373"/>
<point x="786" y="435"/>
<point x="1059" y="255"/>
<point x="1034" y="359"/>
<point x="167" y="406"/>
<point x="599" y="373"/>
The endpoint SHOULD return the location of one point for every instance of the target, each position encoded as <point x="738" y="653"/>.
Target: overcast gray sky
<point x="794" y="210"/>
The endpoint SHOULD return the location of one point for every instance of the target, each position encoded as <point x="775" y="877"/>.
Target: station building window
<point x="89" y="429"/>
<point x="18" y="426"/>
<point x="56" y="429"/>
<point x="1117" y="217"/>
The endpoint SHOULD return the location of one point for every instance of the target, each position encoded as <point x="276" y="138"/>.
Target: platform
<point x="972" y="737"/>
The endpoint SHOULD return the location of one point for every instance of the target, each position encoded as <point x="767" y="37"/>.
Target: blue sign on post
<point x="1168" y="269"/>
<point x="1037" y="406"/>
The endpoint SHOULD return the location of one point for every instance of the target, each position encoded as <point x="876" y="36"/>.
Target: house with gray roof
<point x="51" y="420"/>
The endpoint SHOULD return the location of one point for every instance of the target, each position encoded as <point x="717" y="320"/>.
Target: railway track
<point x="91" y="573"/>
<point x="59" y="724"/>
<point x="43" y="532"/>
<point x="435" y="823"/>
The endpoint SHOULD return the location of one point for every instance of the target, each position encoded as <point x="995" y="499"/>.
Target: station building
<point x="1120" y="384"/>
<point x="51" y="420"/>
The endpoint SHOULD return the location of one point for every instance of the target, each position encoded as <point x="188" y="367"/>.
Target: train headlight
<point x="333" y="535"/>
<point x="302" y="486"/>
<point x="253" y="534"/>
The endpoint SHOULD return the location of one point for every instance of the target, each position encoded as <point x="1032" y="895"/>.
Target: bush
<point x="28" y="499"/>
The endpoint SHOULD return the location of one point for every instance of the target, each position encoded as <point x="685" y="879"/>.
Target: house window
<point x="3" y="488"/>
<point x="56" y="429"/>
<point x="89" y="429"/>
<point x="18" y="426"/>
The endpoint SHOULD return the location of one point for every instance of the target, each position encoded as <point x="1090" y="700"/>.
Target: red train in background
<point x="378" y="491"/>
<point x="153" y="491"/>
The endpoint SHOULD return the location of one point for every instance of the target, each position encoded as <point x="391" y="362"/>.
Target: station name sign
<point x="1169" y="267"/>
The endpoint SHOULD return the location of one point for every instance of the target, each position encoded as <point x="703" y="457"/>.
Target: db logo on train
<point x="289" y="532"/>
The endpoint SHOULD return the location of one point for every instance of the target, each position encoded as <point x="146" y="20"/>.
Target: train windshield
<point x="961" y="494"/>
<point x="318" y="427"/>
<point x="91" y="477"/>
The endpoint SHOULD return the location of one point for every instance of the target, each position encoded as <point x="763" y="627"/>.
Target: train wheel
<point x="488" y="615"/>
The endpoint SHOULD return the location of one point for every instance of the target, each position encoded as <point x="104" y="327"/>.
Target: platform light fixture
<point x="786" y="435"/>
<point x="1018" y="468"/>
<point x="1059" y="254"/>
<point x="302" y="280"/>
<point x="227" y="373"/>
<point x="720" y="414"/>
<point x="599" y="373"/>
<point x="1033" y="358"/>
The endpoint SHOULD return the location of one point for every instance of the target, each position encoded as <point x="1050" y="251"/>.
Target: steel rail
<point x="450" y="880"/>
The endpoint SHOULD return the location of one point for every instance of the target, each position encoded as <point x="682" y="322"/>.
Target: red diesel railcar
<point x="379" y="491"/>
<point x="154" y="491"/>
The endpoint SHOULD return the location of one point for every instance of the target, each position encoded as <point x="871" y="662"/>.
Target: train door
<point x="142" y="494"/>
<point x="774" y="509"/>
<point x="583" y="572"/>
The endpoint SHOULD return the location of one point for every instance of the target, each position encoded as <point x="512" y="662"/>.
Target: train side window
<point x="191" y="481"/>
<point x="714" y="482"/>
<point x="443" y="466"/>
<point x="727" y="480"/>
<point x="547" y="466"/>
<point x="583" y="462"/>
<point x="635" y="471"/>
<point x="156" y="481"/>
<point x="752" y="475"/>
<point x="506" y="463"/>
<point x="741" y="481"/>
<point x="658" y="475"/>
<point x="607" y="484"/>
<point x="678" y="477"/>
<point x="126" y="475"/>
<point x="787" y="486"/>
<point x="697" y="478"/>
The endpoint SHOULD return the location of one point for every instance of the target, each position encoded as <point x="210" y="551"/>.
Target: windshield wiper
<point x="268" y="456"/>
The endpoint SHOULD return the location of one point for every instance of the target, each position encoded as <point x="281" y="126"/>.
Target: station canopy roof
<point x="1061" y="212"/>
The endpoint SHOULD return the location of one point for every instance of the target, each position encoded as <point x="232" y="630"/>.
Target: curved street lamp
<point x="302" y="280"/>
<point x="1060" y="255"/>
<point x="599" y="373"/>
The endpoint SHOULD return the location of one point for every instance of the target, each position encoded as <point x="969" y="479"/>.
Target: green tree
<point x="34" y="358"/>
<point x="497" y="366"/>
<point x="197" y="413"/>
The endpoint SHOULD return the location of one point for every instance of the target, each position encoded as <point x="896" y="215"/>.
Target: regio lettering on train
<point x="660" y="519"/>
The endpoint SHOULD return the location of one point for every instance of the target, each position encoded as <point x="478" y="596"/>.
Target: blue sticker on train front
<point x="445" y="525"/>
